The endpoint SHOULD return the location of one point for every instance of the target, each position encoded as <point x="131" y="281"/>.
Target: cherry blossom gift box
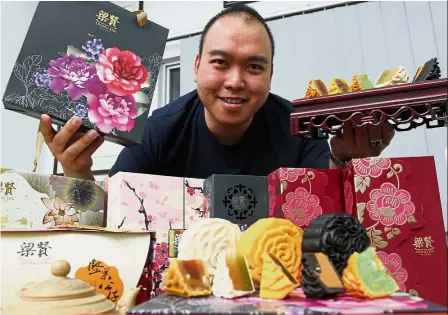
<point x="32" y="200"/>
<point x="241" y="199"/>
<point x="398" y="202"/>
<point x="301" y="195"/>
<point x="94" y="62"/>
<point x="164" y="204"/>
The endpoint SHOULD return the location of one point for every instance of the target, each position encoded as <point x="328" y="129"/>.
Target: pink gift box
<point x="164" y="204"/>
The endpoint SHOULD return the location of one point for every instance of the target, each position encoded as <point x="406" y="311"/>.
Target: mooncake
<point x="276" y="281"/>
<point x="430" y="70"/>
<point x="361" y="82"/>
<point x="277" y="236"/>
<point x="232" y="278"/>
<point x="187" y="278"/>
<point x="337" y="235"/>
<point x="338" y="86"/>
<point x="207" y="239"/>
<point x="316" y="88"/>
<point x="319" y="277"/>
<point x="367" y="277"/>
<point x="395" y="76"/>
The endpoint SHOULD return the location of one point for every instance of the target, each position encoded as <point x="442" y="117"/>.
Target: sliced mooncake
<point x="337" y="235"/>
<point x="367" y="277"/>
<point x="277" y="236"/>
<point x="430" y="70"/>
<point x="316" y="88"/>
<point x="232" y="278"/>
<point x="276" y="281"/>
<point x="338" y="86"/>
<point x="187" y="278"/>
<point x="395" y="76"/>
<point x="320" y="279"/>
<point x="361" y="82"/>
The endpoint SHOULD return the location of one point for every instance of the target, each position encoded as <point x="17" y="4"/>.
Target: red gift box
<point x="398" y="202"/>
<point x="301" y="194"/>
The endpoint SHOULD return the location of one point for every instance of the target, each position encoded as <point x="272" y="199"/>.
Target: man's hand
<point x="70" y="147"/>
<point x="367" y="141"/>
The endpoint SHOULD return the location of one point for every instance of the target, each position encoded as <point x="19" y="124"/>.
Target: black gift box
<point x="240" y="199"/>
<point x="92" y="60"/>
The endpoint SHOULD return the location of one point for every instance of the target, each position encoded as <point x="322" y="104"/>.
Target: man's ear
<point x="272" y="70"/>
<point x="196" y="67"/>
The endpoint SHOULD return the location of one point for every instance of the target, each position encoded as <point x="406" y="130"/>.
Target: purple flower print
<point x="42" y="78"/>
<point x="73" y="74"/>
<point x="93" y="48"/>
<point x="80" y="110"/>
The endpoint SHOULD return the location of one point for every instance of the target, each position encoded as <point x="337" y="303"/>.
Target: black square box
<point x="240" y="199"/>
<point x="89" y="59"/>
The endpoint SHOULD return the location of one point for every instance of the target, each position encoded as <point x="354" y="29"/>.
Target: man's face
<point x="233" y="75"/>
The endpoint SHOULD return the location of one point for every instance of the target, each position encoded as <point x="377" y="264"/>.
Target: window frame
<point x="167" y="67"/>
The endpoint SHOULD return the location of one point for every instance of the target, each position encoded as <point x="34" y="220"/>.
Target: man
<point x="231" y="124"/>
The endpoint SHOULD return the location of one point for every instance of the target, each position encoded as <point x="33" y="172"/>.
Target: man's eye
<point x="255" y="67"/>
<point x="219" y="62"/>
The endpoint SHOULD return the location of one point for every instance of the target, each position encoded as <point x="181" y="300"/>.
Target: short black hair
<point x="239" y="10"/>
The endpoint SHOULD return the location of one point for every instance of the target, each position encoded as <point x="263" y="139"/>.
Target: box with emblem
<point x="240" y="199"/>
<point x="398" y="201"/>
<point x="28" y="256"/>
<point x="31" y="200"/>
<point x="301" y="194"/>
<point x="96" y="61"/>
<point x="164" y="204"/>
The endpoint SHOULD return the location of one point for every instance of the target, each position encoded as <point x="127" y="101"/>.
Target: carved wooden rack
<point x="406" y="107"/>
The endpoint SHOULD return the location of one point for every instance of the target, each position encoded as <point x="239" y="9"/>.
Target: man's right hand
<point x="73" y="149"/>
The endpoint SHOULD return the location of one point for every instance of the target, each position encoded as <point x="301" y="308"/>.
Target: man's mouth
<point x="235" y="101"/>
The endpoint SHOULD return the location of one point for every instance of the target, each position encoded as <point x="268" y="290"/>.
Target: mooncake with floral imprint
<point x="187" y="278"/>
<point x="207" y="239"/>
<point x="232" y="278"/>
<point x="367" y="277"/>
<point x="276" y="281"/>
<point x="395" y="76"/>
<point x="277" y="236"/>
<point x="316" y="88"/>
<point x="337" y="235"/>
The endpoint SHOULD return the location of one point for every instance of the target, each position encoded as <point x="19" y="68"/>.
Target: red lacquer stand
<point x="406" y="107"/>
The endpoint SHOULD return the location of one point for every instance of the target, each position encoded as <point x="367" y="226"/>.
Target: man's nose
<point x="235" y="79"/>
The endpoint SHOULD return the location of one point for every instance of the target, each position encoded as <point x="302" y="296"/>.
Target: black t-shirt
<point x="177" y="142"/>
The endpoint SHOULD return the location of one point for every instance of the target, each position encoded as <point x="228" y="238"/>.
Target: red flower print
<point x="393" y="263"/>
<point x="162" y="250"/>
<point x="190" y="191"/>
<point x="121" y="71"/>
<point x="291" y="174"/>
<point x="372" y="167"/>
<point x="390" y="205"/>
<point x="301" y="207"/>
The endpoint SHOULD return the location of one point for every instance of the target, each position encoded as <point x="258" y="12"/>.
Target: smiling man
<point x="231" y="124"/>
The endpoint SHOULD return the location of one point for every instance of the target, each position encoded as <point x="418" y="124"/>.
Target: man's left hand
<point x="361" y="142"/>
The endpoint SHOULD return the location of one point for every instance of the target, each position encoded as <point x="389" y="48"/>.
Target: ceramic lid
<point x="62" y="296"/>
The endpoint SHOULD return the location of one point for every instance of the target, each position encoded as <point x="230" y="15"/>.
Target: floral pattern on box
<point x="301" y="195"/>
<point x="49" y="201"/>
<point x="108" y="87"/>
<point x="194" y="201"/>
<point x="385" y="204"/>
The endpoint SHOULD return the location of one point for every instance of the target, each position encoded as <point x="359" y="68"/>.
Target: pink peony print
<point x="390" y="205"/>
<point x="301" y="207"/>
<point x="60" y="212"/>
<point x="109" y="111"/>
<point x="291" y="174"/>
<point x="393" y="263"/>
<point x="121" y="71"/>
<point x="372" y="167"/>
